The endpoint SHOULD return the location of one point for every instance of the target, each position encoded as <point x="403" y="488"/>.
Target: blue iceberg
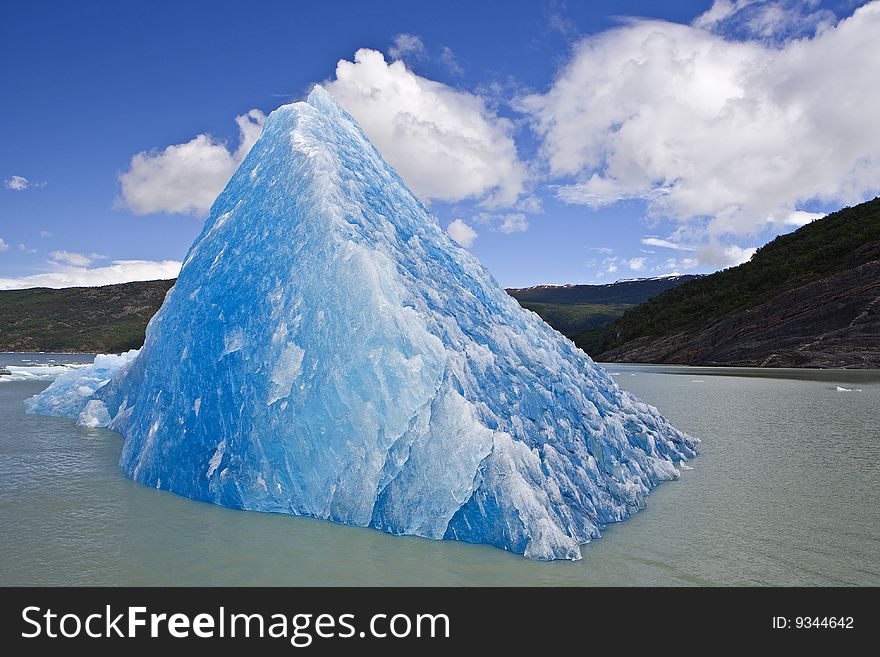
<point x="329" y="351"/>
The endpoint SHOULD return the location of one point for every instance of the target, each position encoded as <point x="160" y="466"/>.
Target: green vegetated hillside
<point x="809" y="298"/>
<point x="573" y="318"/>
<point x="572" y="309"/>
<point x="111" y="318"/>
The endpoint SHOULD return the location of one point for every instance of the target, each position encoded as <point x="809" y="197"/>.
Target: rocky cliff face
<point x="833" y="322"/>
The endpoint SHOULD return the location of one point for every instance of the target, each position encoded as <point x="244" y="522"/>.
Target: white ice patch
<point x="280" y="333"/>
<point x="285" y="372"/>
<point x="684" y="466"/>
<point x="233" y="341"/>
<point x="214" y="463"/>
<point x="197" y="404"/>
<point x="72" y="385"/>
<point x="842" y="389"/>
<point x="222" y="219"/>
<point x="94" y="415"/>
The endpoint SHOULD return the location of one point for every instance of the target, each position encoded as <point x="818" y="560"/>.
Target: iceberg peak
<point x="320" y="98"/>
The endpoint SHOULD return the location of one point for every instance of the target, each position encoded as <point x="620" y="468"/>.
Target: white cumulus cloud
<point x="730" y="133"/>
<point x="462" y="233"/>
<point x="447" y="144"/>
<point x="119" y="271"/>
<point x="186" y="178"/>
<point x="3" y="244"/>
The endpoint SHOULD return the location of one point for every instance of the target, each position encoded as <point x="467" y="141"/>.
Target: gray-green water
<point x="785" y="491"/>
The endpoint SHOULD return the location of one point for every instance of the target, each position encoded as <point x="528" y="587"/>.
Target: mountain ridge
<point x="113" y="318"/>
<point x="632" y="291"/>
<point x="810" y="298"/>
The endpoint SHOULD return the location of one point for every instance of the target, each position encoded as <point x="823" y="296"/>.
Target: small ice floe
<point x="684" y="466"/>
<point x="36" y="372"/>
<point x="697" y="381"/>
<point x="842" y="389"/>
<point x="614" y="373"/>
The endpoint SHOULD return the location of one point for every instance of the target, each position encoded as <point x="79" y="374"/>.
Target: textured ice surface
<point x="73" y="387"/>
<point x="329" y="351"/>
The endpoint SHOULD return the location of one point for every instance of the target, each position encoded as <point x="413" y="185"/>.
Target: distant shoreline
<point x="604" y="365"/>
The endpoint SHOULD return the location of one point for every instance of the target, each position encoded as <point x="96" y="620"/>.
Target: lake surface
<point x="786" y="491"/>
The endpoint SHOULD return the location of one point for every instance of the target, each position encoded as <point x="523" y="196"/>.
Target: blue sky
<point x="566" y="142"/>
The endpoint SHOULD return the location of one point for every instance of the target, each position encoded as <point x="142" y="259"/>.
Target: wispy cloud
<point x="801" y="218"/>
<point x="773" y="20"/>
<point x="119" y="271"/>
<point x="448" y="58"/>
<point x="677" y="265"/>
<point x="407" y="45"/>
<point x="557" y="21"/>
<point x="730" y="255"/>
<point x="20" y="183"/>
<point x="636" y="264"/>
<point x="665" y="244"/>
<point x="609" y="266"/>
<point x="515" y="222"/>
<point x="70" y="258"/>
